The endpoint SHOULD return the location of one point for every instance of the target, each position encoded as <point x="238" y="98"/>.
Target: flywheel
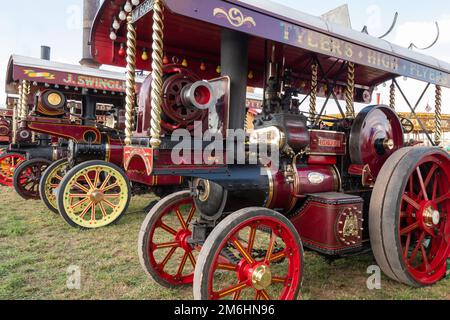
<point x="376" y="134"/>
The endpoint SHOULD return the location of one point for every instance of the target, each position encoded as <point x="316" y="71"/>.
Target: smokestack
<point x="45" y="52"/>
<point x="45" y="55"/>
<point x="90" y="8"/>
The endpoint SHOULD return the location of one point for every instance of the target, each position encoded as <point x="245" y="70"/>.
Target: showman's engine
<point x="315" y="168"/>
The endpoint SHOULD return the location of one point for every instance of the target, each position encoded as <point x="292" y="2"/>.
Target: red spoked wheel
<point x="253" y="254"/>
<point x="409" y="216"/>
<point x="165" y="251"/>
<point x="27" y="177"/>
<point x="8" y="163"/>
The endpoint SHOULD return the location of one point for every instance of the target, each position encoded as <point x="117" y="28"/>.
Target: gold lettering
<point x="386" y="61"/>
<point x="372" y="57"/>
<point x="336" y="47"/>
<point x="325" y="43"/>
<point x="311" y="42"/>
<point x="348" y="50"/>
<point x="286" y="30"/>
<point x="300" y="35"/>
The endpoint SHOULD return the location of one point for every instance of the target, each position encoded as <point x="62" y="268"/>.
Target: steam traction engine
<point x="106" y="197"/>
<point x="64" y="107"/>
<point x="84" y="107"/>
<point x="342" y="185"/>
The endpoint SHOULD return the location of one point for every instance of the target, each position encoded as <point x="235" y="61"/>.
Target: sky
<point x="27" y="24"/>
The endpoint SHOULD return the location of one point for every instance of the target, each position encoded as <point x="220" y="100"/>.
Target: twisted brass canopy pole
<point x="131" y="80"/>
<point x="438" y="116"/>
<point x="157" y="73"/>
<point x="313" y="95"/>
<point x="18" y="110"/>
<point x="350" y="91"/>
<point x="392" y="95"/>
<point x="24" y="99"/>
<point x="14" y="119"/>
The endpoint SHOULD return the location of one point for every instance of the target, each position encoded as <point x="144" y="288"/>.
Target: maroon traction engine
<point x="342" y="187"/>
<point x="60" y="104"/>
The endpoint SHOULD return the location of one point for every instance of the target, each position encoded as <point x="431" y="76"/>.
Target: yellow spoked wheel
<point x="93" y="194"/>
<point x="50" y="182"/>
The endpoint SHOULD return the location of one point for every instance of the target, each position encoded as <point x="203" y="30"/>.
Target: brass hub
<point x="204" y="190"/>
<point x="388" y="144"/>
<point x="262" y="277"/>
<point x="54" y="99"/>
<point x="431" y="216"/>
<point x="97" y="196"/>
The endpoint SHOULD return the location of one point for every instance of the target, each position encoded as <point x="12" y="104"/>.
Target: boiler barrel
<point x="255" y="186"/>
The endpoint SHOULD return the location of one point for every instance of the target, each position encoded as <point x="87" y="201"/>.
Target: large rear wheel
<point x="93" y="194"/>
<point x="164" y="249"/>
<point x="50" y="181"/>
<point x="253" y="254"/>
<point x="27" y="177"/>
<point x="409" y="216"/>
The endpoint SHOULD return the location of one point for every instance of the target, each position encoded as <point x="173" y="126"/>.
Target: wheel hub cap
<point x="431" y="216"/>
<point x="182" y="238"/>
<point x="389" y="144"/>
<point x="262" y="277"/>
<point x="97" y="196"/>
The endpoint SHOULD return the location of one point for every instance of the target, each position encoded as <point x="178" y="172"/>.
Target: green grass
<point x="37" y="247"/>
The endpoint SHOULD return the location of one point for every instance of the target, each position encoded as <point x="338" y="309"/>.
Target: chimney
<point x="90" y="8"/>
<point x="45" y="52"/>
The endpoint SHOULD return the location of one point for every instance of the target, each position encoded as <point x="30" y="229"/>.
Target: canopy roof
<point x="192" y="32"/>
<point x="62" y="76"/>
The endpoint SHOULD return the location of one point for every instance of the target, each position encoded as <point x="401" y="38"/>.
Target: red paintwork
<point x="356" y="169"/>
<point x="411" y="223"/>
<point x="63" y="129"/>
<point x="243" y="271"/>
<point x="114" y="152"/>
<point x="382" y="123"/>
<point x="328" y="173"/>
<point x="138" y="159"/>
<point x="317" y="222"/>
<point x="327" y="143"/>
<point x="297" y="134"/>
<point x="6" y="113"/>
<point x="322" y="160"/>
<point x="5" y="131"/>
<point x="180" y="239"/>
<point x="139" y="166"/>
<point x="29" y="178"/>
<point x="11" y="161"/>
<point x="283" y="193"/>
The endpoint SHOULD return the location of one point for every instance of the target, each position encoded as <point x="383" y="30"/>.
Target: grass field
<point x="37" y="247"/>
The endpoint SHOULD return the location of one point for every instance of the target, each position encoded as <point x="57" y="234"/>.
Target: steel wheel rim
<point x="425" y="251"/>
<point x="52" y="182"/>
<point x="179" y="242"/>
<point x="95" y="196"/>
<point x="249" y="268"/>
<point x="29" y="178"/>
<point x="8" y="163"/>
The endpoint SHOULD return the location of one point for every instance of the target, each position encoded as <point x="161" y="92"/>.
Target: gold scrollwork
<point x="351" y="227"/>
<point x="235" y="17"/>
